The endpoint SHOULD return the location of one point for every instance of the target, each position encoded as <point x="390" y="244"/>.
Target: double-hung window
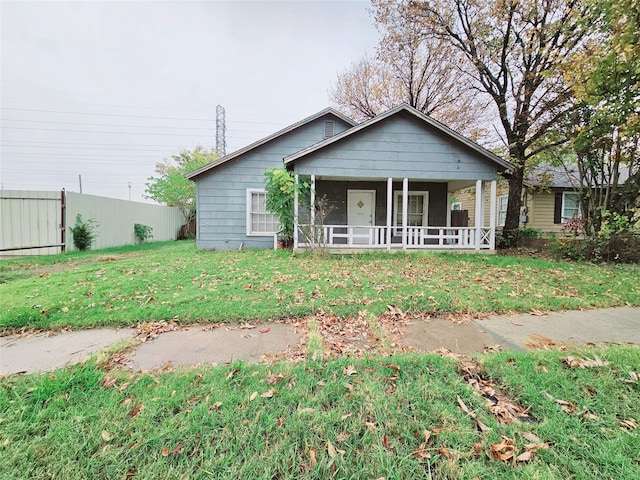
<point x="502" y="209"/>
<point x="417" y="210"/>
<point x="260" y="222"/>
<point x="570" y="206"/>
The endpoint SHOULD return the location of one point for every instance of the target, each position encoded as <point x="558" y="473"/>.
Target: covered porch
<point x="359" y="213"/>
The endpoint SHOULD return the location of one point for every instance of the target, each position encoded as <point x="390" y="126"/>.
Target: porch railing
<point x="347" y="236"/>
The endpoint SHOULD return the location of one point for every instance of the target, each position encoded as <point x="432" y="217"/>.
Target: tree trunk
<point x="514" y="202"/>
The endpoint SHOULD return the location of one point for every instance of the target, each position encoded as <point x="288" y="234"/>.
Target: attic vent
<point x="328" y="129"/>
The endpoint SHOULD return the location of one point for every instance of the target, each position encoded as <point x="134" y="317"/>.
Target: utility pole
<point x="221" y="130"/>
<point x="129" y="191"/>
<point x="80" y="181"/>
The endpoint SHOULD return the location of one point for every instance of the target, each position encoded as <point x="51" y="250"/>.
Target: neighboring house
<point x="550" y="198"/>
<point x="389" y="180"/>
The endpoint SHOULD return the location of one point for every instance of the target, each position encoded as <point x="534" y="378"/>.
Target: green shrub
<point x="142" y="232"/>
<point x="618" y="248"/>
<point x="83" y="232"/>
<point x="519" y="236"/>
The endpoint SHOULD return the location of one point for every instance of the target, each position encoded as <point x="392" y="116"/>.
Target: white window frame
<point x="563" y="218"/>
<point x="249" y="223"/>
<point x="503" y="200"/>
<point x="397" y="195"/>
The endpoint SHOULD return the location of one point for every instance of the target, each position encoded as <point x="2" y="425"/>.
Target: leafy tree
<point x="605" y="78"/>
<point x="172" y="187"/>
<point x="409" y="67"/>
<point x="513" y="50"/>
<point x="281" y="188"/>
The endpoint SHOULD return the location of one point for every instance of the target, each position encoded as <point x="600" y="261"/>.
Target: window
<point x="417" y="209"/>
<point x="328" y="129"/>
<point x="502" y="209"/>
<point x="456" y="206"/>
<point x="260" y="222"/>
<point x="570" y="206"/>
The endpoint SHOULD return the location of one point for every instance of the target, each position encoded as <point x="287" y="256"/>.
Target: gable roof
<point x="262" y="141"/>
<point x="404" y="107"/>
<point x="566" y="177"/>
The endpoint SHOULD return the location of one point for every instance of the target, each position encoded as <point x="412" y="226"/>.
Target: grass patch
<point x="338" y="418"/>
<point x="164" y="281"/>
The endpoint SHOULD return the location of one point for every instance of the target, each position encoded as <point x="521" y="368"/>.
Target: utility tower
<point x="221" y="132"/>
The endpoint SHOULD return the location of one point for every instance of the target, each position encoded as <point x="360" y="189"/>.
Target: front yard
<point x="174" y="281"/>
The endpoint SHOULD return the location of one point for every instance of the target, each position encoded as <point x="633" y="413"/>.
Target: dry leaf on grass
<point x="633" y="378"/>
<point x="265" y="330"/>
<point x="269" y="393"/>
<point x="135" y="411"/>
<point x="349" y="370"/>
<point x="629" y="424"/>
<point x="106" y="436"/>
<point x="576" y="362"/>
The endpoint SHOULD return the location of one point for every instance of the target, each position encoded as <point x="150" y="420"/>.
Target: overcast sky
<point x="107" y="89"/>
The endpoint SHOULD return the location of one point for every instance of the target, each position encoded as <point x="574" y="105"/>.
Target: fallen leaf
<point x="65" y="309"/>
<point x="215" y="406"/>
<point x="576" y="362"/>
<point x="108" y="381"/>
<point x="532" y="437"/>
<point x="386" y="442"/>
<point x="524" y="457"/>
<point x="273" y="379"/>
<point x="135" y="411"/>
<point x="232" y="373"/>
<point x="306" y="410"/>
<point x="269" y="393"/>
<point x="106" y="436"/>
<point x="517" y="324"/>
<point x="265" y="330"/>
<point x="312" y="456"/>
<point x="165" y="452"/>
<point x="125" y="401"/>
<point x="633" y="378"/>
<point x="253" y="396"/>
<point x="348" y="386"/>
<point x="331" y="450"/>
<point x="349" y="370"/>
<point x="629" y="424"/>
<point x="344" y="417"/>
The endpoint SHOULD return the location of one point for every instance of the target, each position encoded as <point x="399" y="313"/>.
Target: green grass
<point x="165" y="281"/>
<point x="214" y="422"/>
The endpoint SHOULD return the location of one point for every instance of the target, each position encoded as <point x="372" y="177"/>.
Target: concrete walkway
<point x="203" y="345"/>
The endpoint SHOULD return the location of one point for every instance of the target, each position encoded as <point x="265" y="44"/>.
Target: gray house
<point x="389" y="181"/>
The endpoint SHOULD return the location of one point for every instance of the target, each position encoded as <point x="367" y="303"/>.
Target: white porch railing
<point x="431" y="237"/>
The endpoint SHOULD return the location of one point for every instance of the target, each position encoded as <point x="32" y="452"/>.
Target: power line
<point x="98" y="131"/>
<point x="107" y="114"/>
<point x="104" y="124"/>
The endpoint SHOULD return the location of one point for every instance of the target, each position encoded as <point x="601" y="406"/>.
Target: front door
<point x="361" y="211"/>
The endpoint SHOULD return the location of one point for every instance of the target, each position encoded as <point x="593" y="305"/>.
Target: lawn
<point x="514" y="415"/>
<point x="175" y="281"/>
<point x="406" y="416"/>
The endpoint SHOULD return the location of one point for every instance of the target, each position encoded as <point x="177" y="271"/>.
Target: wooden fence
<point x="37" y="222"/>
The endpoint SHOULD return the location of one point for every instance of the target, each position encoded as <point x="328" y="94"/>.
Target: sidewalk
<point x="197" y="345"/>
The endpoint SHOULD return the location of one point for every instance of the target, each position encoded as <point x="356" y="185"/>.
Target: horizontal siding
<point x="400" y="146"/>
<point x="541" y="213"/>
<point x="221" y="193"/>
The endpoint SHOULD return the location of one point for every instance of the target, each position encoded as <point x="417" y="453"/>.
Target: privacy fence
<point x="37" y="222"/>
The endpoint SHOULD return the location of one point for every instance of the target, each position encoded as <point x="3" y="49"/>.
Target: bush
<point x="617" y="248"/>
<point x="83" y="232"/>
<point x="142" y="232"/>
<point x="520" y="237"/>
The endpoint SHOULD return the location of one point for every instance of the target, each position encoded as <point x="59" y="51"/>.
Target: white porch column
<point x="389" y="210"/>
<point x="405" y="209"/>
<point x="312" y="213"/>
<point x="448" y="209"/>
<point x="479" y="219"/>
<point x="492" y="215"/>
<point x="295" y="213"/>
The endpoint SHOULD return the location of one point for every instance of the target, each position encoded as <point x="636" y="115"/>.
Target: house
<point x="550" y="198"/>
<point x="389" y="179"/>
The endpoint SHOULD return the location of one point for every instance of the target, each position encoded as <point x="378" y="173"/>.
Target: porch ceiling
<point x="453" y="185"/>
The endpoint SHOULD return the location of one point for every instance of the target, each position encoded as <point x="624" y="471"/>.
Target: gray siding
<point x="221" y="193"/>
<point x="399" y="146"/>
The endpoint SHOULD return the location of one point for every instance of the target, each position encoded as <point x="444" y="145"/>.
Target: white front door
<point x="361" y="211"/>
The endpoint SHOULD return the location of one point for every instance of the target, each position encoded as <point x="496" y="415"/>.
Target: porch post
<point x="295" y="213"/>
<point x="448" y="209"/>
<point x="405" y="209"/>
<point x="389" y="210"/>
<point x="492" y="216"/>
<point x="479" y="220"/>
<point x="313" y="211"/>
